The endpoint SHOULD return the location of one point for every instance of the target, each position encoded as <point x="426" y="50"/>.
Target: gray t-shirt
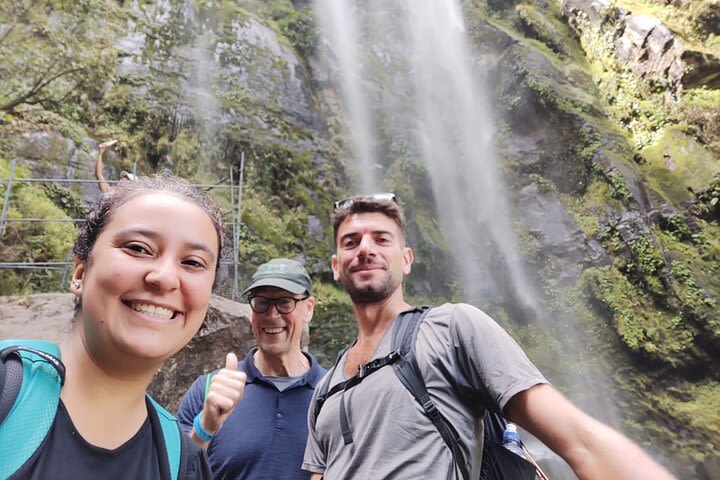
<point x="469" y="364"/>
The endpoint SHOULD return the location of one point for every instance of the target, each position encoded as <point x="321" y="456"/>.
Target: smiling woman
<point x="146" y="261"/>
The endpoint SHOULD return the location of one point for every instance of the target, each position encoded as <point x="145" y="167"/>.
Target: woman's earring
<point x="76" y="284"/>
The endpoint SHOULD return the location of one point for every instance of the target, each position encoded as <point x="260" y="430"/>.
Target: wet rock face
<point x="539" y="140"/>
<point x="50" y="154"/>
<point x="271" y="71"/>
<point x="703" y="69"/>
<point x="556" y="235"/>
<point x="227" y="72"/>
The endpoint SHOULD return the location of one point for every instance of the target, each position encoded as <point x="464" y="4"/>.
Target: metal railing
<point x="64" y="265"/>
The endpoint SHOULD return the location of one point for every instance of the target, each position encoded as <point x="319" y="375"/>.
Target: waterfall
<point x="407" y="73"/>
<point x="341" y="34"/>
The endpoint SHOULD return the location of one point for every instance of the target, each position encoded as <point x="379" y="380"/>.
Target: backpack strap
<point x="10" y="383"/>
<point x="408" y="372"/>
<point x="325" y="392"/>
<point x="363" y="372"/>
<point x="33" y="376"/>
<point x="172" y="436"/>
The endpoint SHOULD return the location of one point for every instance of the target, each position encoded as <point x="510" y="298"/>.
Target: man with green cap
<point x="256" y="426"/>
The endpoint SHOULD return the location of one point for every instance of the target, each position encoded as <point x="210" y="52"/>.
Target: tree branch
<point x="36" y="88"/>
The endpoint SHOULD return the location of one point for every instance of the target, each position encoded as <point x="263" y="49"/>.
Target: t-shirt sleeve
<point x="191" y="403"/>
<point x="314" y="458"/>
<point x="492" y="363"/>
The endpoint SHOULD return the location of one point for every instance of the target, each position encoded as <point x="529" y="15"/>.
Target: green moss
<point x="619" y="188"/>
<point x="677" y="165"/>
<point x="700" y="409"/>
<point x="64" y="198"/>
<point x="660" y="335"/>
<point x="649" y="258"/>
<point x="527" y="243"/>
<point x="537" y="26"/>
<point x="700" y="110"/>
<point x="696" y="285"/>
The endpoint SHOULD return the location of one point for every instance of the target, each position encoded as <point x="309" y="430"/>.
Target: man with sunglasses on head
<point x="257" y="428"/>
<point x="372" y="427"/>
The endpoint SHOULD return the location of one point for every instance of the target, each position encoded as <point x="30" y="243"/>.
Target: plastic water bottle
<point x="511" y="440"/>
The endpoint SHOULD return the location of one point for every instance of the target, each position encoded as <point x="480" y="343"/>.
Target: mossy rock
<point x="677" y="166"/>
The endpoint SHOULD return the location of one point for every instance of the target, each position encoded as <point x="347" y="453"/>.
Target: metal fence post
<point x="68" y="258"/>
<point x="238" y="218"/>
<point x="234" y="226"/>
<point x="3" y="219"/>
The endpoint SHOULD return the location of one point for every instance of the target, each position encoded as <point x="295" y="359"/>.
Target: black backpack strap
<point x="408" y="372"/>
<point x="184" y="453"/>
<point x="325" y="392"/>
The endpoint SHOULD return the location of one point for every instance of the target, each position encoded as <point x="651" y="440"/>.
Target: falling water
<point x="197" y="92"/>
<point x="450" y="120"/>
<point x="340" y="31"/>
<point x="415" y="59"/>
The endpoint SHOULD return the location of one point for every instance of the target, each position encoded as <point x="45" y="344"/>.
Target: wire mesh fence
<point x="59" y="269"/>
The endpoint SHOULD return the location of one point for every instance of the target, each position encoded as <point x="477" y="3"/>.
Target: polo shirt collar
<point x="310" y="378"/>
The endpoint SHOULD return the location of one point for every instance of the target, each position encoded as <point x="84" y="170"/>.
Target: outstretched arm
<point x="102" y="183"/>
<point x="591" y="448"/>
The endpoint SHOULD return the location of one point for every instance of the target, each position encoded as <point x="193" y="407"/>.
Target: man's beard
<point x="370" y="293"/>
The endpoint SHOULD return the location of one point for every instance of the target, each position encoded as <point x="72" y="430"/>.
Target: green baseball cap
<point x="281" y="273"/>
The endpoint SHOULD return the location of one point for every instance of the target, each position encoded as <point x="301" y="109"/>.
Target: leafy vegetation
<point x="34" y="241"/>
<point x="661" y="336"/>
<point x="55" y="52"/>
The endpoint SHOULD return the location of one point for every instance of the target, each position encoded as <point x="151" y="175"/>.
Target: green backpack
<point x="31" y="375"/>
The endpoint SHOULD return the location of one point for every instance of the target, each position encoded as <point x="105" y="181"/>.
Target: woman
<point x="146" y="260"/>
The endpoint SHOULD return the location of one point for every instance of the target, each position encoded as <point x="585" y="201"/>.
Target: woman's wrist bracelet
<point x="199" y="430"/>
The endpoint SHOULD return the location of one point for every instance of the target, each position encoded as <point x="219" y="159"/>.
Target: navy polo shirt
<point x="264" y="437"/>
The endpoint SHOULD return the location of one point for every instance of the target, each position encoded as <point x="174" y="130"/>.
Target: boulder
<point x="652" y="51"/>
<point x="43" y="316"/>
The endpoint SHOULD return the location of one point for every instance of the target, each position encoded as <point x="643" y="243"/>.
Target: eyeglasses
<point x="283" y="305"/>
<point x="347" y="202"/>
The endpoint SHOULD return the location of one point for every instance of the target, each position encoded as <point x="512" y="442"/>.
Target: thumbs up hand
<point x="226" y="389"/>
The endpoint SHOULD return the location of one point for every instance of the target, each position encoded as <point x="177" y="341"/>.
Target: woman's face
<point x="146" y="286"/>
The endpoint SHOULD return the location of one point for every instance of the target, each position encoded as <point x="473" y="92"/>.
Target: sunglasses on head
<point x="347" y="202"/>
